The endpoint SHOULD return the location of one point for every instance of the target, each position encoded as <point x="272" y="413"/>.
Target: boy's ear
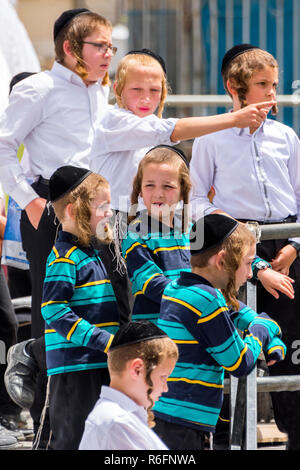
<point x="136" y="367"/>
<point x="69" y="212"/>
<point x="230" y="88"/>
<point x="219" y="260"/>
<point x="67" y="48"/>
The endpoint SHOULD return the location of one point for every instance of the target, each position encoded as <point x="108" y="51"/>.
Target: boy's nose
<point x="272" y="93"/>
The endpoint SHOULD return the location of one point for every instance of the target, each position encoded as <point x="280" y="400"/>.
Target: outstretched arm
<point x="192" y="127"/>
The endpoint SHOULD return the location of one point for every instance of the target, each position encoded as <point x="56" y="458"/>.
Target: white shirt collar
<point x="111" y="394"/>
<point x="67" y="74"/>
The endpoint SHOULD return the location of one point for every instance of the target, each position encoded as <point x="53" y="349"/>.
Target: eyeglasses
<point x="102" y="47"/>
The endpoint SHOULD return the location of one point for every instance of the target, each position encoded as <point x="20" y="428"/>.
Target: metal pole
<point x="251" y="387"/>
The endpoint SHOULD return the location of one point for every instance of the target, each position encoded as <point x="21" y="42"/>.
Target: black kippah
<point x="210" y="231"/>
<point x="65" y="18"/>
<point x="234" y="52"/>
<point x="174" y="149"/>
<point x="65" y="179"/>
<point x="151" y="54"/>
<point x="18" y="78"/>
<point x="135" y="332"/>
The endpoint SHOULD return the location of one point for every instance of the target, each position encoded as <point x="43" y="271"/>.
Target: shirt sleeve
<point x="202" y="170"/>
<point x="243" y="317"/>
<point x="218" y="335"/>
<point x="146" y="276"/>
<point x="122" y="130"/>
<point x="58" y="290"/>
<point x="21" y="116"/>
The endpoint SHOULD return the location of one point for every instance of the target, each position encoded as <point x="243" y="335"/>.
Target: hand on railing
<point x="275" y="282"/>
<point x="284" y="258"/>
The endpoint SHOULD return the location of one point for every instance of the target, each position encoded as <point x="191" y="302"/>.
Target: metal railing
<point x="221" y="100"/>
<point x="243" y="391"/>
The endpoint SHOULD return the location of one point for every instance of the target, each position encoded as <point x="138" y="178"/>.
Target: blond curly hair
<point x="81" y="198"/>
<point x="234" y="248"/>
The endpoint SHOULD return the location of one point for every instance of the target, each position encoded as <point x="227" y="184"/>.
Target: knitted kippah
<point x="210" y="231"/>
<point x="151" y="54"/>
<point x="65" y="18"/>
<point x="234" y="52"/>
<point x="136" y="332"/>
<point x="65" y="179"/>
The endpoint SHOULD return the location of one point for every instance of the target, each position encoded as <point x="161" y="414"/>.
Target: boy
<point x="140" y="359"/>
<point x="194" y="313"/>
<point x="79" y="305"/>
<point x="255" y="172"/>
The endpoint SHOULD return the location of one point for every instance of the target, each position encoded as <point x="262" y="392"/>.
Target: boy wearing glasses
<point x="55" y="114"/>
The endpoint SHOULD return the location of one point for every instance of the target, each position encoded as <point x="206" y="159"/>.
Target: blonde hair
<point x="79" y="28"/>
<point x="234" y="249"/>
<point x="162" y="155"/>
<point x="243" y="67"/>
<point x="152" y="352"/>
<point x="81" y="198"/>
<point x="132" y="60"/>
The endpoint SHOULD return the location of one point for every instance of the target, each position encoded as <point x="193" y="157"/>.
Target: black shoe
<point x="20" y="429"/>
<point x="20" y="375"/>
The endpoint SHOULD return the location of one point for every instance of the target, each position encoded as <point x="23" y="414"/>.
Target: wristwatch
<point x="296" y="246"/>
<point x="261" y="265"/>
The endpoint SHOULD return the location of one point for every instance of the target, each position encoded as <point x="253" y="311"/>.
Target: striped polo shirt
<point x="79" y="308"/>
<point x="155" y="254"/>
<point x="196" y="317"/>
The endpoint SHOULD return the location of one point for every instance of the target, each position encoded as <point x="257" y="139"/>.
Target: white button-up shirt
<point x="123" y="140"/>
<point x="55" y="115"/>
<point x="255" y="176"/>
<point x="118" y="423"/>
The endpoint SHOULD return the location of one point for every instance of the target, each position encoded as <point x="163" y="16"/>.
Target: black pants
<point x="72" y="397"/>
<point x="177" y="437"/>
<point x="19" y="282"/>
<point x="286" y="405"/>
<point x="8" y="337"/>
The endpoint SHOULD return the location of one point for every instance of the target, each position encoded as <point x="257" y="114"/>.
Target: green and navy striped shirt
<point x="196" y="317"/>
<point x="155" y="254"/>
<point x="79" y="308"/>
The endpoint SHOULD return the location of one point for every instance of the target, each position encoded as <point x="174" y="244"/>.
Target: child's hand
<point x="274" y="281"/>
<point x="284" y="258"/>
<point x="253" y="114"/>
<point x="275" y="351"/>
